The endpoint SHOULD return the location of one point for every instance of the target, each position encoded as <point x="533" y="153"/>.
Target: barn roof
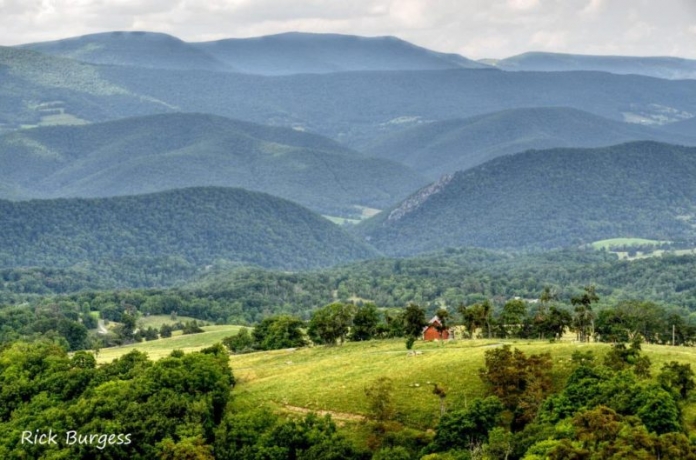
<point x="433" y="320"/>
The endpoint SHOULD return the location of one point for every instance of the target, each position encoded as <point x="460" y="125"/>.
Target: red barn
<point x="431" y="332"/>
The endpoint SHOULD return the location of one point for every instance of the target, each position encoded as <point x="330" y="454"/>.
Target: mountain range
<point x="528" y="152"/>
<point x="355" y="108"/>
<point x="452" y="145"/>
<point x="282" y="54"/>
<point x="352" y="107"/>
<point x="161" y="152"/>
<point x="547" y="199"/>
<point x="295" y="53"/>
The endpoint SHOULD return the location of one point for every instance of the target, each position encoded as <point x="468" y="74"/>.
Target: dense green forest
<point x="38" y="300"/>
<point x="199" y="225"/>
<point x="446" y="146"/>
<point x="163" y="152"/>
<point x="549" y="198"/>
<point x="134" y="408"/>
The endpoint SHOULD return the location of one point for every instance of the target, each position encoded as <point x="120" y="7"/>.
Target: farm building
<point x="432" y="332"/>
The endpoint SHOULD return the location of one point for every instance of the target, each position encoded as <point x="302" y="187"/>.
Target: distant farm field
<point x="157" y="321"/>
<point x="627" y="242"/>
<point x="160" y="348"/>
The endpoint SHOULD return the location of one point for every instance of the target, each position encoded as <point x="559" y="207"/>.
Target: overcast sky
<point x="473" y="28"/>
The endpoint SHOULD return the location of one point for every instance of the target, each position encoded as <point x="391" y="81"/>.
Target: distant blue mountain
<point x="283" y="54"/>
<point x="292" y="53"/>
<point x="659" y="67"/>
<point x="141" y="49"/>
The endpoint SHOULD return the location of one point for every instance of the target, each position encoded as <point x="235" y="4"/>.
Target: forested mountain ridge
<point x="281" y="54"/>
<point x="453" y="145"/>
<point x="652" y="66"/>
<point x="199" y="225"/>
<point x="140" y="49"/>
<point x="549" y="198"/>
<point x="161" y="152"/>
<point x="296" y="52"/>
<point x="37" y="88"/>
<point x="357" y="107"/>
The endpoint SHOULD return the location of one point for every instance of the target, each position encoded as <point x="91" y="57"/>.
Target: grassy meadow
<point x="160" y="348"/>
<point x="332" y="379"/>
<point x="157" y="321"/>
<point x="618" y="242"/>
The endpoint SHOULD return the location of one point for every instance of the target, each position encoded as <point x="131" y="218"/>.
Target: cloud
<point x="477" y="28"/>
<point x="523" y="4"/>
<point x="594" y="6"/>
<point x="549" y="40"/>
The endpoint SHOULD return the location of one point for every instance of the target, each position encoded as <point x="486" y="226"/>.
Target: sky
<point x="474" y="28"/>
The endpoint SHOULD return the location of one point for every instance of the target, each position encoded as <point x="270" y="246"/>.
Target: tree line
<point x="544" y="318"/>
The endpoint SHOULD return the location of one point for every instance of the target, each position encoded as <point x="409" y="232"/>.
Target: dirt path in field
<point x="343" y="416"/>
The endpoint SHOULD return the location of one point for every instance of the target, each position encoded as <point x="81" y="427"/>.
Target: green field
<point x="341" y="220"/>
<point x="618" y="242"/>
<point x="613" y="243"/>
<point x="623" y="255"/>
<point x="157" y="321"/>
<point x="332" y="379"/>
<point x="157" y="349"/>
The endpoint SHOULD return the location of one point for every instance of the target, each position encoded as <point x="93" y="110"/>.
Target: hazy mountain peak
<point x="652" y="66"/>
<point x="142" y="49"/>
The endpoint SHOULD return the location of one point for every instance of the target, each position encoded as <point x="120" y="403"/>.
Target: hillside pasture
<point x="160" y="348"/>
<point x="610" y="243"/>
<point x="333" y="379"/>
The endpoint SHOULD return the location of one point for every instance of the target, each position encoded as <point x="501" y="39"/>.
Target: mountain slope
<point x="160" y="152"/>
<point x="292" y="53"/>
<point x="200" y="225"/>
<point x="356" y="107"/>
<point x="352" y="107"/>
<point x="550" y="198"/>
<point x="142" y="49"/>
<point x="39" y="89"/>
<point x="684" y="127"/>
<point x="659" y="67"/>
<point x="453" y="145"/>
